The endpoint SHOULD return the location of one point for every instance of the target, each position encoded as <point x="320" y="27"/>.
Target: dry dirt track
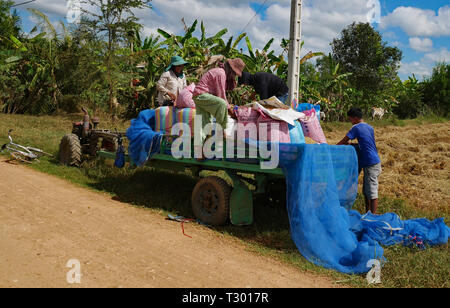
<point x="46" y="221"/>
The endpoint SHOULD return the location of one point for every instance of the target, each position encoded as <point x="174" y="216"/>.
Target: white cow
<point x="378" y="112"/>
<point x="322" y="116"/>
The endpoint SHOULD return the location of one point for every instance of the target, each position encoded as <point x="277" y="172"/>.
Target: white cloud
<point x="322" y="20"/>
<point x="390" y="35"/>
<point x="49" y="7"/>
<point x="422" y="45"/>
<point x="443" y="55"/>
<point x="418" y="68"/>
<point x="424" y="67"/>
<point x="419" y="22"/>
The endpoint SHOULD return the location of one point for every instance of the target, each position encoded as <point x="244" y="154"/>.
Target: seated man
<point x="266" y="85"/>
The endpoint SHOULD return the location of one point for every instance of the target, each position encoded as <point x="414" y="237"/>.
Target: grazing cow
<point x="378" y="112"/>
<point x="322" y="116"/>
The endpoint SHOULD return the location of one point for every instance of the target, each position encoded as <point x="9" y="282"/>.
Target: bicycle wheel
<point x="24" y="157"/>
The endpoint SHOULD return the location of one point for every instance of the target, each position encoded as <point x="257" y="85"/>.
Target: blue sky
<point x="421" y="29"/>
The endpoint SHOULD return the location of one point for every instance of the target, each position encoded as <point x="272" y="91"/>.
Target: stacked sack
<point x="308" y="126"/>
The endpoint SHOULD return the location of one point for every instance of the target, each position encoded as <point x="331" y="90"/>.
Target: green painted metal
<point x="214" y="165"/>
<point x="241" y="199"/>
<point x="241" y="202"/>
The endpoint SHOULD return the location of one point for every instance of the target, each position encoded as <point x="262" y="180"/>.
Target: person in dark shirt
<point x="369" y="158"/>
<point x="266" y="85"/>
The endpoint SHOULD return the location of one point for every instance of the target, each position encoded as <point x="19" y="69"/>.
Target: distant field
<point x="415" y="183"/>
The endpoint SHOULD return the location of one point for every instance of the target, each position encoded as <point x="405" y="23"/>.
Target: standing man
<point x="266" y="85"/>
<point x="369" y="159"/>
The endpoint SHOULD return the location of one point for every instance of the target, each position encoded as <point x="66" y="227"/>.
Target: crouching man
<point x="369" y="158"/>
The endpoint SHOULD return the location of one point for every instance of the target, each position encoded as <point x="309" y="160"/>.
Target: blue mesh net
<point x="321" y="189"/>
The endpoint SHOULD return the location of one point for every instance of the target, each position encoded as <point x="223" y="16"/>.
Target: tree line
<point x="104" y="63"/>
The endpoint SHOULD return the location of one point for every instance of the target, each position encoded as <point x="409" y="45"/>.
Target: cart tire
<point x="211" y="201"/>
<point x="70" y="150"/>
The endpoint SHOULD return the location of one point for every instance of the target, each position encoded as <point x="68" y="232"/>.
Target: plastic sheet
<point x="144" y="142"/>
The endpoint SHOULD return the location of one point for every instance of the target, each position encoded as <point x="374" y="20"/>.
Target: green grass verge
<point x="268" y="236"/>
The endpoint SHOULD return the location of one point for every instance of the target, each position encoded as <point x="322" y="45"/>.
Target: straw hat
<point x="237" y="65"/>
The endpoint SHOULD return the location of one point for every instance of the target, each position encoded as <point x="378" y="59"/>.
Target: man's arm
<point x="344" y="141"/>
<point x="221" y="85"/>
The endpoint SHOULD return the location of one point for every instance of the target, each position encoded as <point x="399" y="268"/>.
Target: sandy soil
<point x="46" y="221"/>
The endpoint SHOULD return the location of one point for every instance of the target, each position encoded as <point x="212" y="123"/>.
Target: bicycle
<point x="23" y="153"/>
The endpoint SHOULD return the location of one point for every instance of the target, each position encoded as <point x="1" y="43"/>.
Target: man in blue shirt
<point x="368" y="158"/>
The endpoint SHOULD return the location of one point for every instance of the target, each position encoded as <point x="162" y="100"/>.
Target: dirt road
<point x="46" y="221"/>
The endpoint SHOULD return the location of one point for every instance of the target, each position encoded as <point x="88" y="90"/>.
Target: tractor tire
<point x="70" y="153"/>
<point x="211" y="201"/>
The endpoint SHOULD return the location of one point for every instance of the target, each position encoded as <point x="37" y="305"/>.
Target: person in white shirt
<point x="171" y="82"/>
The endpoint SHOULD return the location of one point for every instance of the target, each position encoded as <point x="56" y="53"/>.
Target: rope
<point x="22" y="3"/>
<point x="182" y="220"/>
<point x="259" y="10"/>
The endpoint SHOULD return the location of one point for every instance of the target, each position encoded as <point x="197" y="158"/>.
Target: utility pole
<point x="295" y="37"/>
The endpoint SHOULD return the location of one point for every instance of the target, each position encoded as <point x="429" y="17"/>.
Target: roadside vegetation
<point x="105" y="64"/>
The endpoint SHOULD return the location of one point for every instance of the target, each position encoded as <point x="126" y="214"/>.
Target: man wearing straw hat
<point x="210" y="93"/>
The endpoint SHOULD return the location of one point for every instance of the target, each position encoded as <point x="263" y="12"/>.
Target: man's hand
<point x="231" y="112"/>
<point x="172" y="96"/>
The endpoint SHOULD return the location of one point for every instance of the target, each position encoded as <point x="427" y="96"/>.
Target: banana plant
<point x="259" y="61"/>
<point x="51" y="61"/>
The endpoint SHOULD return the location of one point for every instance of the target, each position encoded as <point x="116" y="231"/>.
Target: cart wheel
<point x="211" y="201"/>
<point x="70" y="150"/>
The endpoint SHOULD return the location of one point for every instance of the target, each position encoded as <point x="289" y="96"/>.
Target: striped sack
<point x="187" y="116"/>
<point x="165" y="118"/>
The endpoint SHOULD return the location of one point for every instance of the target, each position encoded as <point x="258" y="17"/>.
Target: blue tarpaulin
<point x="144" y="141"/>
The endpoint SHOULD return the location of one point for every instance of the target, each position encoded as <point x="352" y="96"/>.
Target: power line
<point x="23" y="3"/>
<point x="259" y="10"/>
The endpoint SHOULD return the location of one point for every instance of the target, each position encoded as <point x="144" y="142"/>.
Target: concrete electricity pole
<point x="295" y="37"/>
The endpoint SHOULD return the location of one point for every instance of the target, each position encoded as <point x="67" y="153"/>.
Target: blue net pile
<point x="321" y="189"/>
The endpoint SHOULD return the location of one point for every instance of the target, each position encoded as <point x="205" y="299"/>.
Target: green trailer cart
<point x="214" y="201"/>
